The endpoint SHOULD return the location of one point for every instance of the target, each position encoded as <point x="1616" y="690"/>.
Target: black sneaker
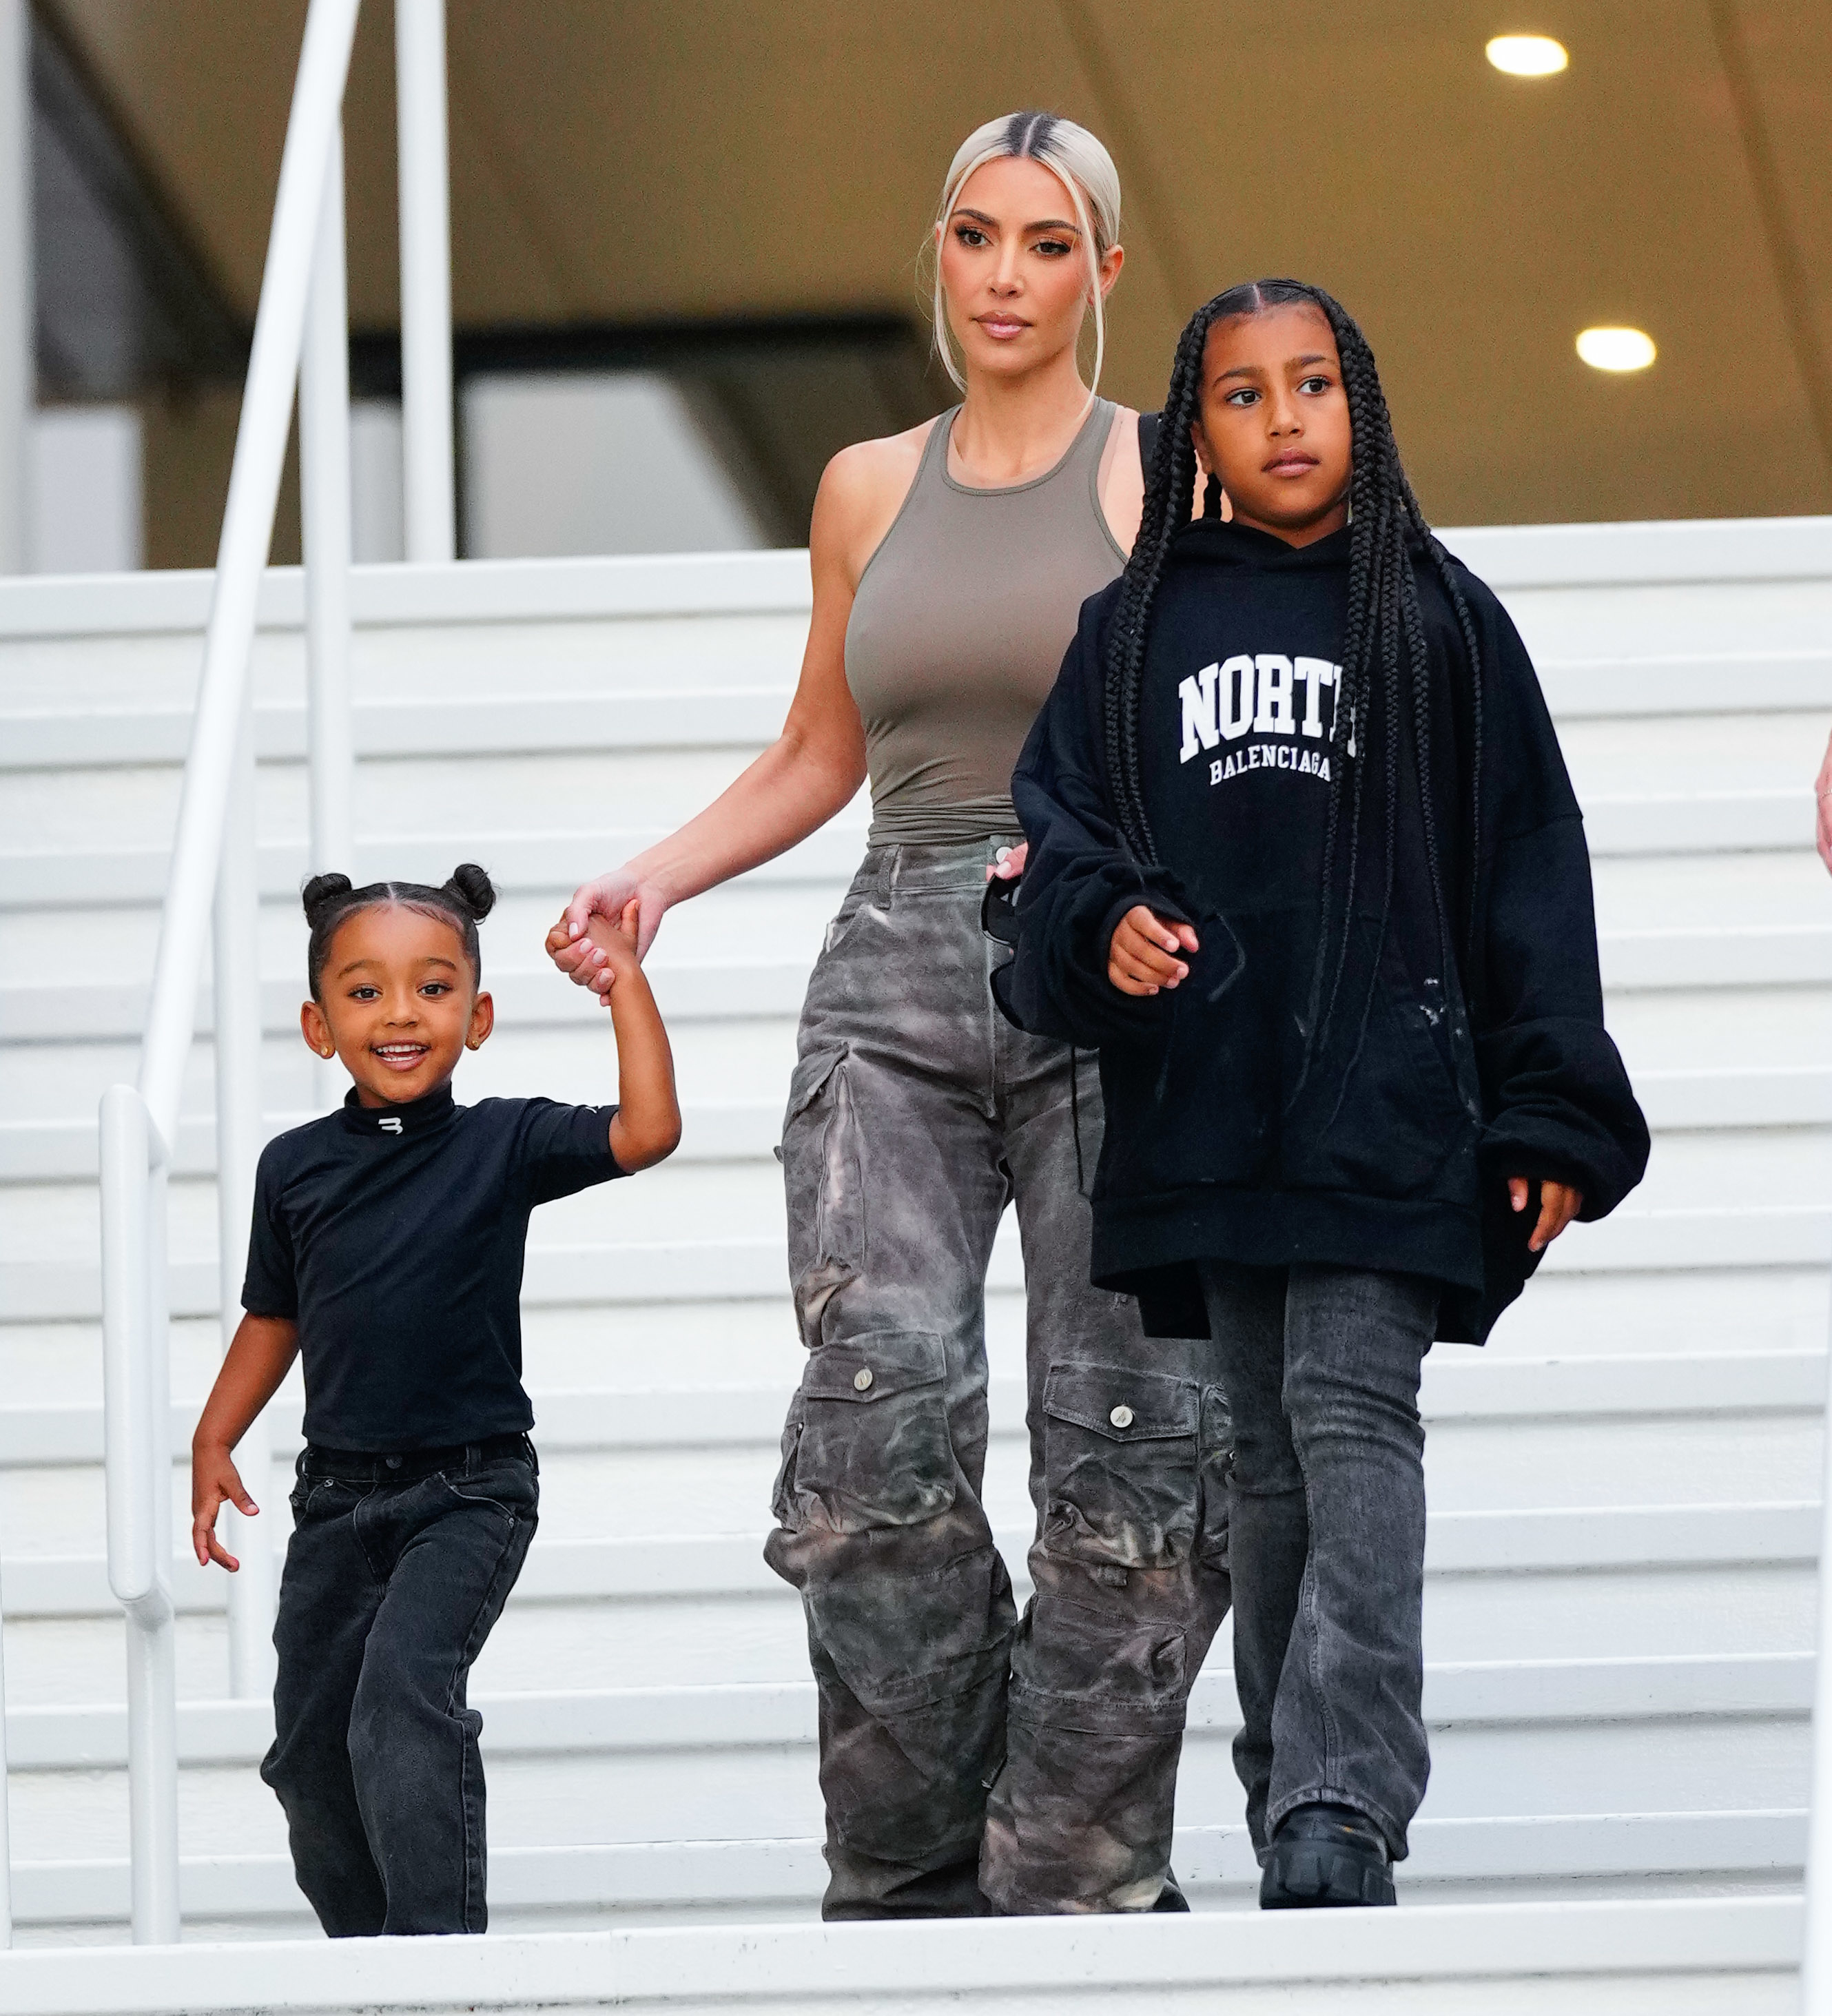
<point x="1324" y="1856"/>
<point x="1170" y="1897"/>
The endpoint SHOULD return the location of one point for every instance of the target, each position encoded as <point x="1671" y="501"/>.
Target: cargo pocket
<point x="870" y="1448"/>
<point x="1215" y="1459"/>
<point x="822" y="1186"/>
<point x="1119" y="1466"/>
<point x="782" y="1497"/>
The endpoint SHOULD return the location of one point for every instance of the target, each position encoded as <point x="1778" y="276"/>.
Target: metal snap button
<point x="394" y="1462"/>
<point x="861" y="1379"/>
<point x="1121" y="1415"/>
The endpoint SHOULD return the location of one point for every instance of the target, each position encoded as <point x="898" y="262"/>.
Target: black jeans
<point x="1326" y="1516"/>
<point x="398" y="1568"/>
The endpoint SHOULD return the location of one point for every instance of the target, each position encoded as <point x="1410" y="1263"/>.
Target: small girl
<point x="1306" y="867"/>
<point x="387" y="1247"/>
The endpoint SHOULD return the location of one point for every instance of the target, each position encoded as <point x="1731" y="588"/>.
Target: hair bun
<point x="473" y="889"/>
<point x="320" y="893"/>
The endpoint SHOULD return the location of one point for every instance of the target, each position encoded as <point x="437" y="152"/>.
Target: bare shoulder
<point x="862" y="491"/>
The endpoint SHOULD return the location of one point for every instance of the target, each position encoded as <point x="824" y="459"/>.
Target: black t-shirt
<point x="395" y="1237"/>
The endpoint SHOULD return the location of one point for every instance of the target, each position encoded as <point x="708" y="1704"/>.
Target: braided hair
<point x="465" y="897"/>
<point x="1383" y="650"/>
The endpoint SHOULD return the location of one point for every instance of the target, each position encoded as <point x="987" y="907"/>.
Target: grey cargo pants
<point x="971" y="1760"/>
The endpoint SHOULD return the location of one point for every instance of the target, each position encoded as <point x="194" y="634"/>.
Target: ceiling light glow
<point x="1528" y="56"/>
<point x="1616" y="349"/>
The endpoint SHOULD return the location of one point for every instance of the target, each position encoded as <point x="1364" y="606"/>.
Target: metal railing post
<point x="428" y="490"/>
<point x="5" y="1826"/>
<point x="137" y="1408"/>
<point x="1816" y="1966"/>
<point x="324" y="470"/>
<point x="236" y="958"/>
<point x="248" y="519"/>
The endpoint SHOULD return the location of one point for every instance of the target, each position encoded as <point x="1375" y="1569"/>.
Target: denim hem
<point x="1392" y="1829"/>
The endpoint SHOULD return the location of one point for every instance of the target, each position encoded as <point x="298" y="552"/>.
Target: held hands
<point x="637" y="907"/>
<point x="1145" y="953"/>
<point x="215" y="1481"/>
<point x="593" y="948"/>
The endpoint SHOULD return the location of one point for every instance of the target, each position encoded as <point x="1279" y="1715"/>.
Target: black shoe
<point x="1170" y="1897"/>
<point x="1326" y="1856"/>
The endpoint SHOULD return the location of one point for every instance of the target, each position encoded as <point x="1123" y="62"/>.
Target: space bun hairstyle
<point x="463" y="900"/>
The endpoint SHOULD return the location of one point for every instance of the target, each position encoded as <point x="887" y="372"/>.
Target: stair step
<point x="735" y="1719"/>
<point x="1617" y="1956"/>
<point x="618" y="1421"/>
<point x="1458" y="1543"/>
<point x="1717" y="957"/>
<point x="615" y="1272"/>
<point x="728" y="1130"/>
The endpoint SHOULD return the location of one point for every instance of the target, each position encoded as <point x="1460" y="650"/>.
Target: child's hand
<point x="1559" y="1204"/>
<point x="215" y="1480"/>
<point x="1142" y="956"/>
<point x="613" y="945"/>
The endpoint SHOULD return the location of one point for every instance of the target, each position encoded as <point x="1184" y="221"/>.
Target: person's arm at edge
<point x="259" y="1357"/>
<point x="810" y="770"/>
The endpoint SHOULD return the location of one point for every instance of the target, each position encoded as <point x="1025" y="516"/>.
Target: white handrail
<point x="138" y="1486"/>
<point x="248" y="519"/>
<point x="324" y="475"/>
<point x="1815" y="1964"/>
<point x="428" y="490"/>
<point x="235" y="955"/>
<point x="211" y="878"/>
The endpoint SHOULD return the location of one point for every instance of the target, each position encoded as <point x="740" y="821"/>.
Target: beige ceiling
<point x="624" y="160"/>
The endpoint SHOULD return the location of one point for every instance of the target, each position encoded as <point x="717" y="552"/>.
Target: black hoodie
<point x="1438" y="1079"/>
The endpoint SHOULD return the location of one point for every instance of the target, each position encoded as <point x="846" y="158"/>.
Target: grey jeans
<point x="1327" y="1499"/>
<point x="971" y="1760"/>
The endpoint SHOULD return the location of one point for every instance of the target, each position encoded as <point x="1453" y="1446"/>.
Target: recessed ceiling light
<point x="1528" y="56"/>
<point x="1616" y="349"/>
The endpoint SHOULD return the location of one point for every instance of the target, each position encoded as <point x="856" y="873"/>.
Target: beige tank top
<point x="958" y="631"/>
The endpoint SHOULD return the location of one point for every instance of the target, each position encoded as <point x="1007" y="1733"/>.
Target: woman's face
<point x="1273" y="421"/>
<point x="1015" y="269"/>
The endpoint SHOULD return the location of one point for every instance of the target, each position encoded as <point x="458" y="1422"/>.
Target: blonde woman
<point x="969" y="1762"/>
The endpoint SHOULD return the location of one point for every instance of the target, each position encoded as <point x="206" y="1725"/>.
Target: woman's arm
<point x="258" y="1359"/>
<point x="813" y="768"/>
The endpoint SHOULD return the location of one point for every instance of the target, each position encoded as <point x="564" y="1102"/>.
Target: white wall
<point x="84" y="509"/>
<point x="586" y="463"/>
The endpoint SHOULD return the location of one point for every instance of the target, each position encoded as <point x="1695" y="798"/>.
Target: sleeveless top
<point x="958" y="629"/>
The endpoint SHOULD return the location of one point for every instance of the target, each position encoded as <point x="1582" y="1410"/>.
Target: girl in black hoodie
<point x="1306" y="868"/>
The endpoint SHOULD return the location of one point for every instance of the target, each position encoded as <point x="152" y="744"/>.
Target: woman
<point x="969" y="1762"/>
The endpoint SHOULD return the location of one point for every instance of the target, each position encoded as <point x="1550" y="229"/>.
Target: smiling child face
<point x="1273" y="421"/>
<point x="399" y="1003"/>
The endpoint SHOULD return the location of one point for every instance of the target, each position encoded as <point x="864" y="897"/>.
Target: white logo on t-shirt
<point x="391" y="1124"/>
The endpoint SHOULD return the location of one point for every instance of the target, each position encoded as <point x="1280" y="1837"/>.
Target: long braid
<point x="1170" y="491"/>
<point x="1385" y="671"/>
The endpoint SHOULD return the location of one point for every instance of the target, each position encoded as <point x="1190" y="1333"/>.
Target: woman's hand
<point x="1010" y="864"/>
<point x="214" y="1481"/>
<point x="634" y="906"/>
<point x="1559" y="1204"/>
<point x="1143" y="954"/>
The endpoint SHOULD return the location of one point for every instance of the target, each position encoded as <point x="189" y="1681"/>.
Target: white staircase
<point x="1622" y="1587"/>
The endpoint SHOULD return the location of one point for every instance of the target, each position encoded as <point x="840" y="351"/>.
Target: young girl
<point x="387" y="1248"/>
<point x="1305" y="865"/>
